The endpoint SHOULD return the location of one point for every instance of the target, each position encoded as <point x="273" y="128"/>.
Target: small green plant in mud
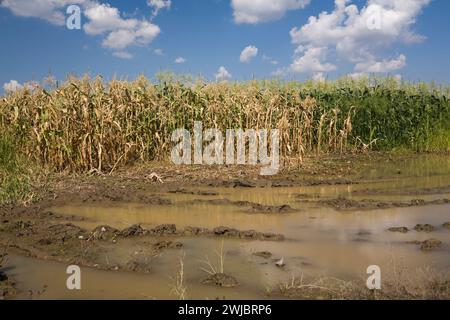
<point x="179" y="289"/>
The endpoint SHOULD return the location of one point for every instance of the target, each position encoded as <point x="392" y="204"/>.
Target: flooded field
<point x="260" y="239"/>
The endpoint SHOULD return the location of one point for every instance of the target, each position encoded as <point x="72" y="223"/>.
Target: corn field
<point x="89" y="124"/>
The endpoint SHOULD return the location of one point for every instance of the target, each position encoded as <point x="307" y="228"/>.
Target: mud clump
<point x="271" y="237"/>
<point x="424" y="228"/>
<point x="417" y="202"/>
<point x="161" y="245"/>
<point x="430" y="244"/>
<point x="7" y="284"/>
<point x="164" y="229"/>
<point x="221" y="202"/>
<point x="248" y="234"/>
<point x="416" y="242"/>
<point x="153" y="200"/>
<point x="117" y="195"/>
<point x="107" y="233"/>
<point x="344" y="204"/>
<point x="110" y="233"/>
<point x="23" y="228"/>
<point x="225" y="231"/>
<point x="195" y="231"/>
<point x="197" y="192"/>
<point x="133" y="231"/>
<point x="138" y="264"/>
<point x="418" y="228"/>
<point x="64" y="232"/>
<point x="46" y="234"/>
<point x="399" y="229"/>
<point x="242" y="184"/>
<point x="237" y="183"/>
<point x="307" y="196"/>
<point x="7" y="287"/>
<point x="263" y="254"/>
<point x="253" y="207"/>
<point x="221" y="280"/>
<point x="60" y="234"/>
<point x="364" y="233"/>
<point x="259" y="208"/>
<point x="104" y="233"/>
<point x="403" y="192"/>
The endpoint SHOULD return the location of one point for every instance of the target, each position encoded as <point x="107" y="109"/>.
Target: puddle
<point x="38" y="279"/>
<point x="319" y="240"/>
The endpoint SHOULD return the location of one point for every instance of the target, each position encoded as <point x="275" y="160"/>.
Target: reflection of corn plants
<point x="90" y="125"/>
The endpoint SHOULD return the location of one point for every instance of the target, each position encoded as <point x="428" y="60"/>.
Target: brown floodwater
<point x="319" y="240"/>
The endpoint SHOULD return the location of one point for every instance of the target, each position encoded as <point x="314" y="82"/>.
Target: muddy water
<point x="319" y="240"/>
<point x="38" y="279"/>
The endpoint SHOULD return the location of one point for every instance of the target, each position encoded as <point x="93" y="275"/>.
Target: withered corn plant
<point x="92" y="125"/>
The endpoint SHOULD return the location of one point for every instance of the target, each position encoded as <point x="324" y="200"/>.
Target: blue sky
<point x="286" y="38"/>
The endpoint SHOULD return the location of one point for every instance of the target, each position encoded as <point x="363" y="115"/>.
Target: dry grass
<point x="218" y="268"/>
<point x="400" y="284"/>
<point x="179" y="289"/>
<point x="316" y="288"/>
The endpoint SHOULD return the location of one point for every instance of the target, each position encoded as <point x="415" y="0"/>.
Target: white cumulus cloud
<point x="359" y="36"/>
<point x="101" y="19"/>
<point x="222" y="74"/>
<point x="52" y="11"/>
<point x="180" y="60"/>
<point x="248" y="53"/>
<point x="158" y="5"/>
<point x="385" y="65"/>
<point x="312" y="59"/>
<point x="120" y="32"/>
<point x="257" y="11"/>
<point x="12" y="86"/>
